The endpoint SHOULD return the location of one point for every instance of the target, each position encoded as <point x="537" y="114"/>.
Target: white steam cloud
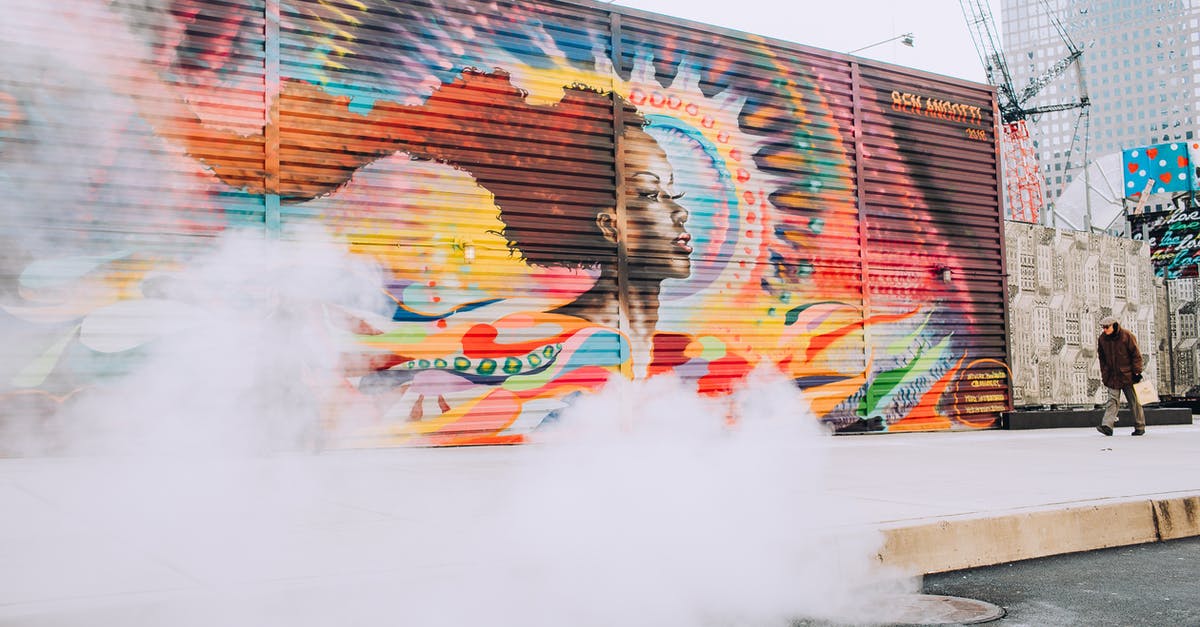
<point x="192" y="490"/>
<point x="240" y="350"/>
<point x="643" y="507"/>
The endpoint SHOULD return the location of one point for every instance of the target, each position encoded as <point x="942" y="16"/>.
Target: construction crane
<point x="1022" y="177"/>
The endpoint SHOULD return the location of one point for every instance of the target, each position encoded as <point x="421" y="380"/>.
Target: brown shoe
<point x="1138" y="432"/>
<point x="1105" y="429"/>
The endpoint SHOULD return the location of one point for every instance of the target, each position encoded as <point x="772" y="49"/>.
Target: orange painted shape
<point x="480" y="342"/>
<point x="491" y="415"/>
<point x="925" y="416"/>
<point x="821" y="342"/>
<point x="722" y="375"/>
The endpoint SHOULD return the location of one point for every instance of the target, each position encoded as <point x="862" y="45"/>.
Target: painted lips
<point x="683" y="242"/>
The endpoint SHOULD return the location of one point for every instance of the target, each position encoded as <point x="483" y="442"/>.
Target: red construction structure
<point x="1022" y="178"/>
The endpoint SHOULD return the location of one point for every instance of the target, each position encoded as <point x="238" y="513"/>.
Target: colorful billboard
<point x="1172" y="234"/>
<point x="1158" y="169"/>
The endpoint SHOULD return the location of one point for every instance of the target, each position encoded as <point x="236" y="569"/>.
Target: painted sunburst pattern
<point x="726" y="195"/>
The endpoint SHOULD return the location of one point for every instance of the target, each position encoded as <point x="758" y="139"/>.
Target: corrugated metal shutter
<point x="761" y="138"/>
<point x="927" y="200"/>
<point x="554" y="191"/>
<point x="103" y="187"/>
<point x="934" y="236"/>
<point x="472" y="191"/>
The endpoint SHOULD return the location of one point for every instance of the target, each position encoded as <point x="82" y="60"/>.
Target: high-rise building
<point x="1141" y="66"/>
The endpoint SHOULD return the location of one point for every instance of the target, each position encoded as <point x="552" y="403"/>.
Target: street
<point x="1150" y="584"/>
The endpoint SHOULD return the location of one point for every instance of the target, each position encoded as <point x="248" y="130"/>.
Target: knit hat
<point x="1107" y="320"/>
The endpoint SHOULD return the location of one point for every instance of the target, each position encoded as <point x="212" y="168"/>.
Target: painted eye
<point x="659" y="195"/>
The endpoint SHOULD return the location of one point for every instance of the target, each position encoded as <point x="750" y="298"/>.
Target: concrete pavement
<point x="79" y="535"/>
<point x="993" y="497"/>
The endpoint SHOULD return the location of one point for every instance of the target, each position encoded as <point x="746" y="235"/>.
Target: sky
<point x="942" y="45"/>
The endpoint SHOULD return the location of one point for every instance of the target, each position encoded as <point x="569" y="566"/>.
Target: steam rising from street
<point x="191" y="491"/>
<point x="643" y="506"/>
<point x="196" y="488"/>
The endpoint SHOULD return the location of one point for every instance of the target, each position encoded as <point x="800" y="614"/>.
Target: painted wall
<point x="553" y="194"/>
<point x="1172" y="235"/>
<point x="1061" y="284"/>
<point x="1182" y="348"/>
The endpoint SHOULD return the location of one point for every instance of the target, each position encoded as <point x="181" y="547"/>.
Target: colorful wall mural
<point x="555" y="194"/>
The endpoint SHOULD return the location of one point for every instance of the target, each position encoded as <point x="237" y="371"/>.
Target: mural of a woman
<point x="563" y="214"/>
<point x="550" y="169"/>
<point x="553" y="223"/>
<point x="544" y="164"/>
<point x="555" y="171"/>
<point x="652" y="233"/>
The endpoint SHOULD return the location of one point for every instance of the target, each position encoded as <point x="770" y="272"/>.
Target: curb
<point x="954" y="544"/>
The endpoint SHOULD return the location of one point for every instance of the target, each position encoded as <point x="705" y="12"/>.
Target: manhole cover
<point x="934" y="609"/>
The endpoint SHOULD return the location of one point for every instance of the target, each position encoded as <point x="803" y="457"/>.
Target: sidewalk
<point x="80" y="534"/>
<point x="975" y="499"/>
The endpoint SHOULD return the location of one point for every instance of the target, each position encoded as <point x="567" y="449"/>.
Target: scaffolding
<point x="1022" y="178"/>
<point x="1023" y="186"/>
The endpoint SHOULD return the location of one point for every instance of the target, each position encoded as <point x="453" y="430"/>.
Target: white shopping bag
<point x="1145" y="392"/>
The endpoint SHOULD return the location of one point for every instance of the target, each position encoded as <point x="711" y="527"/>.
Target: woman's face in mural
<point x="658" y="245"/>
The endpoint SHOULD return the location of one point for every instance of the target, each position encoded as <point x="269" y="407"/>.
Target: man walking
<point x="1120" y="368"/>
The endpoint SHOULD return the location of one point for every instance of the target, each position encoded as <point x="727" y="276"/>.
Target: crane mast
<point x="1024" y="198"/>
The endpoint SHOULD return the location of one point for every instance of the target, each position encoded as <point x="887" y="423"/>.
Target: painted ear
<point x="606" y="221"/>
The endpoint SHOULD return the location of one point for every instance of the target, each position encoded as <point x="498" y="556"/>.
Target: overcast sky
<point x="943" y="41"/>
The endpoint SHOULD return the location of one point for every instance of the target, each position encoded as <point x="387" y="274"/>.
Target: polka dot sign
<point x="1160" y="168"/>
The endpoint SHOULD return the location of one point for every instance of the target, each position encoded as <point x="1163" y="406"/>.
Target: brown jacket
<point x="1120" y="358"/>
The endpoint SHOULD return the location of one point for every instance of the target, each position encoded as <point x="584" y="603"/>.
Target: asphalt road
<point x="1151" y="584"/>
